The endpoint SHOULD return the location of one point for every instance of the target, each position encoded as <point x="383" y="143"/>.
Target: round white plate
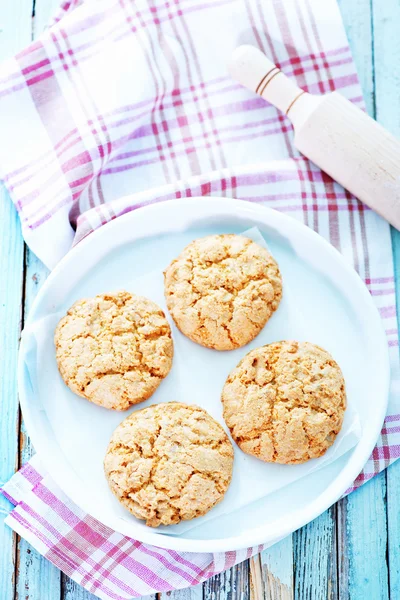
<point x="332" y="303"/>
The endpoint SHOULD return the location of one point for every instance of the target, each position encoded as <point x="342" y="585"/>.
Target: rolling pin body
<point x="333" y="133"/>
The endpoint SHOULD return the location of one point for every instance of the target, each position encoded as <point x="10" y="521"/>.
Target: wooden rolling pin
<point x="329" y="130"/>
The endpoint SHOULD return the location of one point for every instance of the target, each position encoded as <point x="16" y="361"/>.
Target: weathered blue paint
<point x="315" y="571"/>
<point x="276" y="571"/>
<point x="229" y="585"/>
<point x="366" y="541"/>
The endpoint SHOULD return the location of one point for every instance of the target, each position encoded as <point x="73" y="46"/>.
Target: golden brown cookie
<point x="169" y="463"/>
<point x="285" y="402"/>
<point x="114" y="349"/>
<point x="222" y="289"/>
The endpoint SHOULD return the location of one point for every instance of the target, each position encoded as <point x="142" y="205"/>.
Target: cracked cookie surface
<point x="285" y="402"/>
<point x="114" y="349"/>
<point x="222" y="289"/>
<point x="168" y="463"/>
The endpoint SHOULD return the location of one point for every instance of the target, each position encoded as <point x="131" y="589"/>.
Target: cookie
<point x="222" y="289"/>
<point x="169" y="463"/>
<point x="285" y="402"/>
<point x="114" y="349"/>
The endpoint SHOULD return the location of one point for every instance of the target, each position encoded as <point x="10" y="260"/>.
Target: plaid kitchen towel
<point x="123" y="103"/>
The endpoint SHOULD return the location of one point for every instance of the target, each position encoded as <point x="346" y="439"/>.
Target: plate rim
<point x="347" y="475"/>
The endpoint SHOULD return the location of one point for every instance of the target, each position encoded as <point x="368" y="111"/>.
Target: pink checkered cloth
<point x="124" y="103"/>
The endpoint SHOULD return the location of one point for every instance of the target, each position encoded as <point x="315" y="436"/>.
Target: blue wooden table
<point x="352" y="551"/>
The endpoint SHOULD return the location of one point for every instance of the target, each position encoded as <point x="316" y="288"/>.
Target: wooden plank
<point x="36" y="577"/>
<point x="315" y="568"/>
<point x="393" y="518"/>
<point x="15" y="31"/>
<point x="365" y="542"/>
<point x="386" y="21"/>
<point x="362" y="516"/>
<point x="230" y="585"/>
<point x="271" y="573"/>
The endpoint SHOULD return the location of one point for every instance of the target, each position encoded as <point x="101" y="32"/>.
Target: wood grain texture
<point x="366" y="542"/>
<point x="362" y="545"/>
<point x="315" y="570"/>
<point x="230" y="585"/>
<point x="393" y="525"/>
<point x="15" y="31"/>
<point x="271" y="572"/>
<point x="36" y="577"/>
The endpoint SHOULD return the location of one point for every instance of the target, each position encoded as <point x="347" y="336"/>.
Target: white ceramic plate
<point x="332" y="300"/>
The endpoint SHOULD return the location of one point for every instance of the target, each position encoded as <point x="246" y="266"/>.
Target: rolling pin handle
<point x="255" y="71"/>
